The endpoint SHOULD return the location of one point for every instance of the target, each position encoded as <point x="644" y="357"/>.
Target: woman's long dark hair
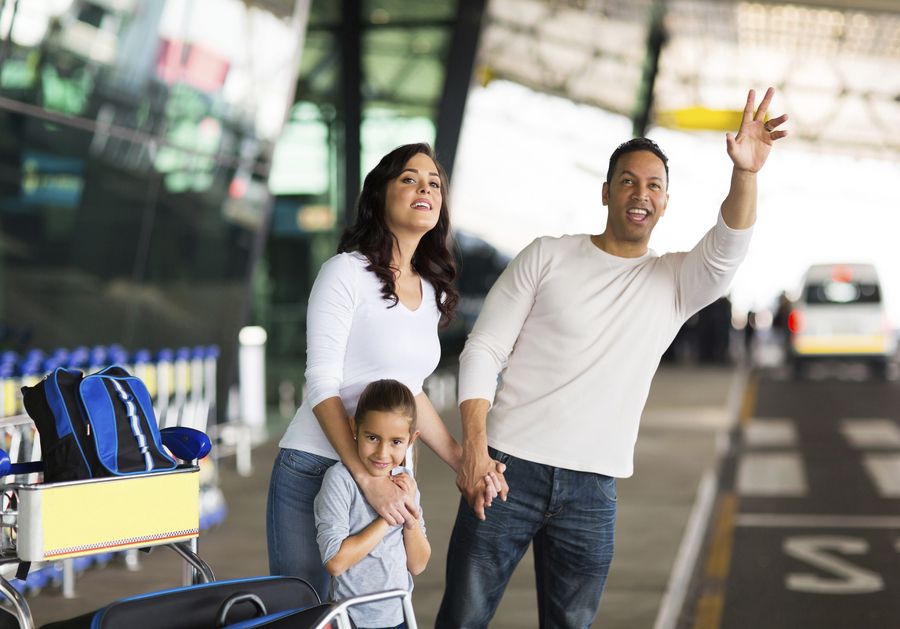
<point x="370" y="235"/>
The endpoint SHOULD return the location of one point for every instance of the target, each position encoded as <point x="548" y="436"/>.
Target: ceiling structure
<point x="403" y="52"/>
<point x="835" y="64"/>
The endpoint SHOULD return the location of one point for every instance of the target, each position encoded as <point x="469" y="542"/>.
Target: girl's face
<point x="414" y="199"/>
<point x="382" y="438"/>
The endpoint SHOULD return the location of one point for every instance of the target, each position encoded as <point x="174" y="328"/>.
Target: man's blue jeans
<point x="569" y="516"/>
<point x="290" y="521"/>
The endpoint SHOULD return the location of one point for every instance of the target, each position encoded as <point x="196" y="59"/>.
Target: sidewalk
<point x="686" y="410"/>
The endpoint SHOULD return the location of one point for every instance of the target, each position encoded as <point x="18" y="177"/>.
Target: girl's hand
<point x="407" y="483"/>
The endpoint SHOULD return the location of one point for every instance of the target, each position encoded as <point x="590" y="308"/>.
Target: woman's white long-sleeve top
<point x="354" y="336"/>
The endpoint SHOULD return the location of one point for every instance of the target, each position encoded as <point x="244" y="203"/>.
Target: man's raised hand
<point x="750" y="148"/>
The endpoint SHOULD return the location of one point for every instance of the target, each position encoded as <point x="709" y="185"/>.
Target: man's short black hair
<point x="636" y="144"/>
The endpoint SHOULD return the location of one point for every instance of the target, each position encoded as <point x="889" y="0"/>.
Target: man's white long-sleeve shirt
<point x="576" y="334"/>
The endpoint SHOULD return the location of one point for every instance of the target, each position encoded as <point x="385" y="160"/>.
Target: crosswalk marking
<point x="884" y="470"/>
<point x="771" y="474"/>
<point x="827" y="521"/>
<point x="781" y="474"/>
<point x="770" y="432"/>
<point x="871" y="433"/>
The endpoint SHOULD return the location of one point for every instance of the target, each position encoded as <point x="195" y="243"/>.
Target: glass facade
<point x="150" y="194"/>
<point x="404" y="47"/>
<point x="135" y="146"/>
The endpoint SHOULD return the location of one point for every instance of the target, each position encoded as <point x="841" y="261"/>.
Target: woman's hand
<point x="495" y="484"/>
<point x="389" y="500"/>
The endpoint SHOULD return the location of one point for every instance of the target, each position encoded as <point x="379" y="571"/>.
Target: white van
<point x="840" y="315"/>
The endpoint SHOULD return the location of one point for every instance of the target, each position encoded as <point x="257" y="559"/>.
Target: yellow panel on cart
<point x="63" y="520"/>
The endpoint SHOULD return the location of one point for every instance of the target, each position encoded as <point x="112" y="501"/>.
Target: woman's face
<point x="414" y="199"/>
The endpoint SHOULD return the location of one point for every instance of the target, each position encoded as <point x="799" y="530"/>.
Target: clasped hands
<point x="480" y="479"/>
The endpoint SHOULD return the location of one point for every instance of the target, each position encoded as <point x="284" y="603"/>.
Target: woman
<point x="373" y="313"/>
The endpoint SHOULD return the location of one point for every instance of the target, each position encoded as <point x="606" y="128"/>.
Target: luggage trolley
<point x="140" y="511"/>
<point x="113" y="513"/>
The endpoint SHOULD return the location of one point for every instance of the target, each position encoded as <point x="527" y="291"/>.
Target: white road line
<point x="770" y="432"/>
<point x="871" y="433"/>
<point x="771" y="474"/>
<point x="884" y="470"/>
<point x="788" y="520"/>
<point x="688" y="551"/>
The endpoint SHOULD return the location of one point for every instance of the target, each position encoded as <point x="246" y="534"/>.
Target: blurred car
<point x="840" y="315"/>
<point x="479" y="264"/>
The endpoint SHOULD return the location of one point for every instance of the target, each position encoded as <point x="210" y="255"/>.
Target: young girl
<point x="360" y="550"/>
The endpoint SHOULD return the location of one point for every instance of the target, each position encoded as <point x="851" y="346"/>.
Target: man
<point x="575" y="328"/>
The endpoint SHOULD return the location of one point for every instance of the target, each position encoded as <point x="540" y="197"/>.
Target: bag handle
<point x="234" y="599"/>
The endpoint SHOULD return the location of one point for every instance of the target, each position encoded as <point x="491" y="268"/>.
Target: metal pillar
<point x="458" y="66"/>
<point x="351" y="107"/>
<point x="656" y="39"/>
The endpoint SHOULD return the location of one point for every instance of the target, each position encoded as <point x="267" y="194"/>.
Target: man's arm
<point x="487" y="351"/>
<point x="705" y="272"/>
<point x="748" y="151"/>
<point x="476" y="464"/>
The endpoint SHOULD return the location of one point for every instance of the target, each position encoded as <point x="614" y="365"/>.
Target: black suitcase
<point x="238" y="603"/>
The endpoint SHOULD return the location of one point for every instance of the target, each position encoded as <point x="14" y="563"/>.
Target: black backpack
<point x="95" y="426"/>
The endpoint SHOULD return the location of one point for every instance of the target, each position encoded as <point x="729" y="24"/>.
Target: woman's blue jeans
<point x="290" y="521"/>
<point x="570" y="518"/>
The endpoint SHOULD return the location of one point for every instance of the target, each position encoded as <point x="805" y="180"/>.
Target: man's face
<point x="636" y="197"/>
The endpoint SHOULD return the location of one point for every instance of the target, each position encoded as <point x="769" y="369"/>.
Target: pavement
<point x="689" y="407"/>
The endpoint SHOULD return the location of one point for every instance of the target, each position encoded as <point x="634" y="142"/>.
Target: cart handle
<point x="7" y="467"/>
<point x="186" y="443"/>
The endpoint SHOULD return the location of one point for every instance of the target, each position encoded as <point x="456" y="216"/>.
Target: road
<point x="806" y="526"/>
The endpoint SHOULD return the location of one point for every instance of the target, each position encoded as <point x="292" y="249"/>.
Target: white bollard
<point x="252" y="379"/>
